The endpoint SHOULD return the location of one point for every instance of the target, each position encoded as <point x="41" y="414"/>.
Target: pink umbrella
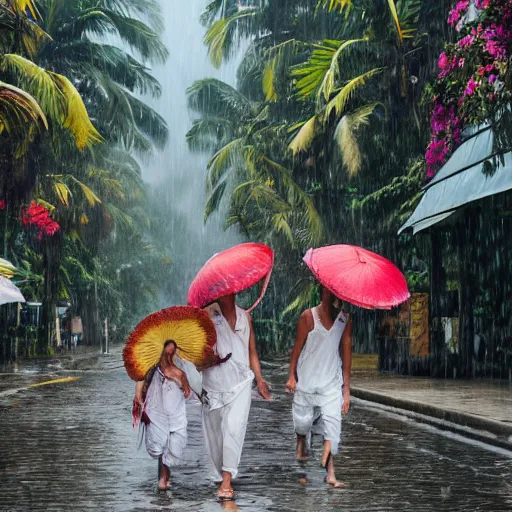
<point x="358" y="276"/>
<point x="232" y="271"/>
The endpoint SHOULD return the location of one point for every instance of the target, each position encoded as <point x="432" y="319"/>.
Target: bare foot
<point x="302" y="458"/>
<point x="334" y="483"/>
<point x="164" y="484"/>
<point x="303" y="480"/>
<point x="226" y="494"/>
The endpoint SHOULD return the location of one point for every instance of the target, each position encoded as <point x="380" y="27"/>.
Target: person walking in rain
<point x="319" y="377"/>
<point x="228" y="389"/>
<point x="160" y="400"/>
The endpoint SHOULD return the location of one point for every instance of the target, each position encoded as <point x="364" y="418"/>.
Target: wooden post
<point x="466" y="298"/>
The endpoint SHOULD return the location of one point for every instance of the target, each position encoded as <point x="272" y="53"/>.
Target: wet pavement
<point x="70" y="446"/>
<point x="488" y="399"/>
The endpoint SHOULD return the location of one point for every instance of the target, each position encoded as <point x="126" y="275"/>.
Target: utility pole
<point x="106" y="336"/>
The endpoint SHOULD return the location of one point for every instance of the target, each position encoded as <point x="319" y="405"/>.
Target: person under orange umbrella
<point x="319" y="377"/>
<point x="229" y="386"/>
<point x="161" y="355"/>
<point x="162" y="397"/>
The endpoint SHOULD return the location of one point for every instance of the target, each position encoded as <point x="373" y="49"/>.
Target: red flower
<point x="37" y="215"/>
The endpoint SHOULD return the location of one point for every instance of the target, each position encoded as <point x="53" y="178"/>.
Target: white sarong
<point x="229" y="388"/>
<point x="166" y="435"/>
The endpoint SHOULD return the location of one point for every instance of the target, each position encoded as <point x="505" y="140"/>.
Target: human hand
<point x="291" y="385"/>
<point x="263" y="389"/>
<point x="137" y="400"/>
<point x="346" y="401"/>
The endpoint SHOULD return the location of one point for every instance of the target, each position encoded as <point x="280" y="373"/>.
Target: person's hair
<point x="168" y="342"/>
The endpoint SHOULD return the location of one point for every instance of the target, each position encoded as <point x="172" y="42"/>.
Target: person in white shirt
<point x="319" y="377"/>
<point x="228" y="389"/>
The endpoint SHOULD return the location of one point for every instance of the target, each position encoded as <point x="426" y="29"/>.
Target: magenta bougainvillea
<point x="38" y="216"/>
<point x="471" y="75"/>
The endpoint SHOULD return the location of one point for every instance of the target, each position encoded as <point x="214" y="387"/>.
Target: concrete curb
<point x="475" y="427"/>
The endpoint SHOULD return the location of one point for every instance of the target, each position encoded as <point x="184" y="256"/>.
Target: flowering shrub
<point x="470" y="84"/>
<point x="37" y="215"/>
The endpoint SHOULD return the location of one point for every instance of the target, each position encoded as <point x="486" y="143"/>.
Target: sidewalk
<point x="479" y="409"/>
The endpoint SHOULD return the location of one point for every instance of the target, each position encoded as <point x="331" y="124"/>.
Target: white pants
<point x="324" y="411"/>
<point x="224" y="431"/>
<point x="168" y="445"/>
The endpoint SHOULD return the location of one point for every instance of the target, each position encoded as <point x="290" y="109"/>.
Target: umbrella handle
<point x="262" y="293"/>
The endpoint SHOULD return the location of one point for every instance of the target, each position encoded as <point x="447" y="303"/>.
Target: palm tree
<point x="264" y="198"/>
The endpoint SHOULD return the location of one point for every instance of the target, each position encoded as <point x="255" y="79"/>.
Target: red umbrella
<point x="358" y="276"/>
<point x="232" y="271"/>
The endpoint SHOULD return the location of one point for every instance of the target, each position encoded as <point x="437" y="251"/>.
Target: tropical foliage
<point x="74" y="203"/>
<point x="351" y="93"/>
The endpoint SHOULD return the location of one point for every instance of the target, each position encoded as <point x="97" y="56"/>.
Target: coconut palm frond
<point x="116" y="64"/>
<point x="214" y="200"/>
<point x="146" y="9"/>
<point x="111" y="188"/>
<point x="21" y="7"/>
<point x="37" y="81"/>
<point x="221" y="162"/>
<point x="139" y="36"/>
<point x="121" y="219"/>
<point x="216" y="38"/>
<point x="339" y="102"/>
<point x="345" y="136"/>
<point x="57" y="96"/>
<point x="304" y="137"/>
<point x="321" y="71"/>
<point x="63" y="192"/>
<point x="394" y="14"/>
<point x="281" y="225"/>
<point x="17" y="108"/>
<point x="303" y="299"/>
<point x="298" y="199"/>
<point x="333" y="5"/>
<point x="212" y="97"/>
<point x="89" y="195"/>
<point x="76" y="119"/>
<point x="268" y="80"/>
<point x="209" y="134"/>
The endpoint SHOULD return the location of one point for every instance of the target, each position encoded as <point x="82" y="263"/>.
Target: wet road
<point x="71" y="446"/>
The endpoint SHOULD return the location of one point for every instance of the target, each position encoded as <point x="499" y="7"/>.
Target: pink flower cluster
<point x="445" y="127"/>
<point x="470" y="74"/>
<point x="457" y="13"/>
<point x="38" y="216"/>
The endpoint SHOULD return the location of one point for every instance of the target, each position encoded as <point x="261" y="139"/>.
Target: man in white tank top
<point x="319" y="377"/>
<point x="228" y="390"/>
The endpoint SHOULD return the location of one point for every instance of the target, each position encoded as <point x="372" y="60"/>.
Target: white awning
<point x="461" y="180"/>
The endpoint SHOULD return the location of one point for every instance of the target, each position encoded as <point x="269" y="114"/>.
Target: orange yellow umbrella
<point x="191" y="329"/>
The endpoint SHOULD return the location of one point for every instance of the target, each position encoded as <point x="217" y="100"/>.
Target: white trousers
<point x="168" y="445"/>
<point x="320" y="413"/>
<point x="224" y="431"/>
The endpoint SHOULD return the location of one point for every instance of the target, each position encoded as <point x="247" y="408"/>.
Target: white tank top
<point x="319" y="368"/>
<point x="230" y="376"/>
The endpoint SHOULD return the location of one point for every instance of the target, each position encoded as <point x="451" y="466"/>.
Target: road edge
<point x="475" y="427"/>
